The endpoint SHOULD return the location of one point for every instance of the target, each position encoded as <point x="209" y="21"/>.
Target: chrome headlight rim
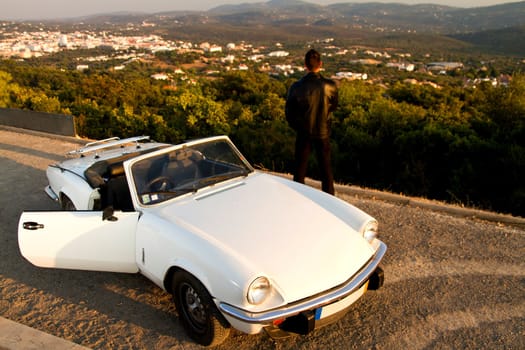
<point x="259" y="290"/>
<point x="370" y="230"/>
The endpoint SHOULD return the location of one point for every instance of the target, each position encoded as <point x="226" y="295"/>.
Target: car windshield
<point x="187" y="169"/>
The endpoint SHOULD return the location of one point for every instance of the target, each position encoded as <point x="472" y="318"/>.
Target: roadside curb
<point x="15" y="336"/>
<point x="434" y="206"/>
<point x="45" y="134"/>
<point x="449" y="209"/>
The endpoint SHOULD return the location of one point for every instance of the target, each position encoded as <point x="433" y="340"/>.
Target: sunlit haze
<point x="56" y="9"/>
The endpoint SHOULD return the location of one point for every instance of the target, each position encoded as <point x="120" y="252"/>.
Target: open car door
<point x="79" y="240"/>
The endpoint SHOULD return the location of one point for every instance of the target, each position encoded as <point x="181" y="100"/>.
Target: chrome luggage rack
<point x="106" y="143"/>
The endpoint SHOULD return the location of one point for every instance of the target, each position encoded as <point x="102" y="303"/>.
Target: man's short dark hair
<point x="312" y="60"/>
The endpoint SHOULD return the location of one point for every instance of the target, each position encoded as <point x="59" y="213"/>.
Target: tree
<point x="6" y="88"/>
<point x="194" y="115"/>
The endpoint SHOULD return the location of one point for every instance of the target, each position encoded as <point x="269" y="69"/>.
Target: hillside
<point x="498" y="41"/>
<point x="492" y="29"/>
<point x="389" y="16"/>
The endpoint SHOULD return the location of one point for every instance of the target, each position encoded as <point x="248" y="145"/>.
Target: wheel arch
<point x="76" y="199"/>
<point x="62" y="197"/>
<point x="223" y="275"/>
<point x="79" y="193"/>
<point x="168" y="277"/>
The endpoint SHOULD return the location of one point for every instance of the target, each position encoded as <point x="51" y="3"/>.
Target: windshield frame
<point x="213" y="169"/>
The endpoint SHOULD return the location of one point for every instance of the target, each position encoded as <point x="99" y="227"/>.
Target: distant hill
<point x="426" y="17"/>
<point x="499" y="41"/>
<point x="497" y="29"/>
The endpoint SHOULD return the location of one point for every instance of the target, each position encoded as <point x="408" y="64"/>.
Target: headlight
<point x="259" y="290"/>
<point x="370" y="231"/>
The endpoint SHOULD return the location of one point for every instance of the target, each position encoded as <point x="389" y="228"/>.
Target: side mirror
<point x="107" y="214"/>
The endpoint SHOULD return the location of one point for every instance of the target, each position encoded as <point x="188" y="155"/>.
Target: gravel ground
<point x="451" y="283"/>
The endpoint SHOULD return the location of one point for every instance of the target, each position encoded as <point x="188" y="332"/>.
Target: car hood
<point x="274" y="227"/>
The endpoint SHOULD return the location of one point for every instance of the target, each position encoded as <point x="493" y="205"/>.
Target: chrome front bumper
<point x="349" y="287"/>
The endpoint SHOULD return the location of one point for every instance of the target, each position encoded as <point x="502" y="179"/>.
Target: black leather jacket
<point x="310" y="103"/>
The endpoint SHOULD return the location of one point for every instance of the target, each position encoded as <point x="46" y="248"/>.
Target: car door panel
<point x="79" y="240"/>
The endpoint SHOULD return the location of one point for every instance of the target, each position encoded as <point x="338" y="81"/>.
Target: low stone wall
<point x="59" y="124"/>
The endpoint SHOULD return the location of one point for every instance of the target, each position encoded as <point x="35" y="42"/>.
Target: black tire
<point x="67" y="204"/>
<point x="197" y="311"/>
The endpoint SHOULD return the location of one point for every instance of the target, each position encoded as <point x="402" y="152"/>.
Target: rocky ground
<point x="451" y="282"/>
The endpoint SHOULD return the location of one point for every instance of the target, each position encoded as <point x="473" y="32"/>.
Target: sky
<point x="56" y="9"/>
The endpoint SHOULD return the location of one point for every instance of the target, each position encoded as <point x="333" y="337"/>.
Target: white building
<point x="278" y="54"/>
<point x="62" y="41"/>
<point x="350" y="76"/>
<point x="255" y="58"/>
<point x="160" y="76"/>
<point x="228" y="59"/>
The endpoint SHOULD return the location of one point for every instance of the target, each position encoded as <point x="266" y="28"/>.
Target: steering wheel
<point x="160" y="183"/>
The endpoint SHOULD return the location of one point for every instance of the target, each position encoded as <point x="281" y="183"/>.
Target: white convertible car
<point x="236" y="247"/>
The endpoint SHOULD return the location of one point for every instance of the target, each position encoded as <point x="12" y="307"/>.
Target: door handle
<point x="31" y="225"/>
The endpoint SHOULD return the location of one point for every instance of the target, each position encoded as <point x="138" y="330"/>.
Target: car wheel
<point x="67" y="204"/>
<point x="197" y="311"/>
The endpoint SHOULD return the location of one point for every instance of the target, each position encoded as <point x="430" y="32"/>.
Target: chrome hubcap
<point x="194" y="307"/>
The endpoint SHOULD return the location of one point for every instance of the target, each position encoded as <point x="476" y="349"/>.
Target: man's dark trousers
<point x="303" y="148"/>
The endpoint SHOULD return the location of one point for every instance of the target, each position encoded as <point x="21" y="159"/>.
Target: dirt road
<point x="451" y="283"/>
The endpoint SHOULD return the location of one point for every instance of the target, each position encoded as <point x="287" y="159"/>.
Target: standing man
<point x="309" y="105"/>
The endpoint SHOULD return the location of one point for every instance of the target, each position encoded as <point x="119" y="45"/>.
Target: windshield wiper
<point x="222" y="177"/>
<point x="172" y="193"/>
